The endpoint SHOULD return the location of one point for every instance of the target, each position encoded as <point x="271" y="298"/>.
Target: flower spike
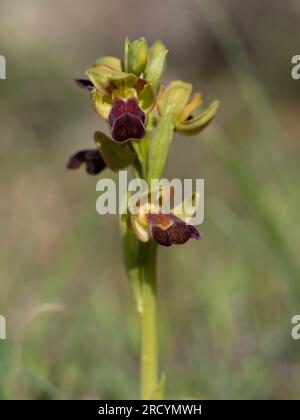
<point x="142" y="116"/>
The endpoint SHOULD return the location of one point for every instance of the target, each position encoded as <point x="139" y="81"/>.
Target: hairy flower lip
<point x="121" y="106"/>
<point x="127" y="127"/>
<point x="127" y="120"/>
<point x="169" y="230"/>
<point x="92" y="159"/>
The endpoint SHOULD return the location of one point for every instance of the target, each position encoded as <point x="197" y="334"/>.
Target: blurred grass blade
<point x="227" y="153"/>
<point x="250" y="86"/>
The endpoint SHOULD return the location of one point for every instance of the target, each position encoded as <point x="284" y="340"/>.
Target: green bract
<point x="116" y="156"/>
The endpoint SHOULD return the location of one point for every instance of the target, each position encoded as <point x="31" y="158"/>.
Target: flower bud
<point x="137" y="55"/>
<point x="156" y="63"/>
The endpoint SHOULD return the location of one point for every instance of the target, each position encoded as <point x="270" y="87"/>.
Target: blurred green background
<point x="225" y="303"/>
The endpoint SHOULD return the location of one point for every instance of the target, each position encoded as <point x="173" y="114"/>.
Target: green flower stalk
<point x="142" y="116"/>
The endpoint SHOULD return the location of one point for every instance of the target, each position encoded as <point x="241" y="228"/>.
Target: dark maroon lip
<point x="127" y="120"/>
<point x="169" y="230"/>
<point x="92" y="159"/>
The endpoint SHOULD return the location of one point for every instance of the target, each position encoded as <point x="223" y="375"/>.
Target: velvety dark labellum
<point x="92" y="159"/>
<point x="126" y="120"/>
<point x="84" y="83"/>
<point x="167" y="230"/>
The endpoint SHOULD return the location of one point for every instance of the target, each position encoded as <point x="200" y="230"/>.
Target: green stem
<point x="149" y="347"/>
<point x="140" y="259"/>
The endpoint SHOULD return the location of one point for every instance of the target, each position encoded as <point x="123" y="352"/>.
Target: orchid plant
<point x="142" y="116"/>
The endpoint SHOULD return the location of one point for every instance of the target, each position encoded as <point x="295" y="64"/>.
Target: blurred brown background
<point x="226" y="302"/>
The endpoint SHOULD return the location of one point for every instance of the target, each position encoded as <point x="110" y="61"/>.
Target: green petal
<point x="101" y="103"/>
<point x="146" y="98"/>
<point x="116" y="156"/>
<point x="197" y="124"/>
<point x="194" y="102"/>
<point x="122" y="80"/>
<point x="156" y="63"/>
<point x="174" y="98"/>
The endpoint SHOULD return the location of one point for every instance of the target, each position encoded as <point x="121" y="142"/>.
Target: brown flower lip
<point x="167" y="229"/>
<point x="92" y="159"/>
<point x="126" y="120"/>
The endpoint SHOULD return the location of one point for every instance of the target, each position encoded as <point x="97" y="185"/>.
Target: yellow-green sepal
<point x="102" y="103"/>
<point x="173" y="99"/>
<point x="99" y="75"/>
<point x="113" y="62"/>
<point x="101" y="72"/>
